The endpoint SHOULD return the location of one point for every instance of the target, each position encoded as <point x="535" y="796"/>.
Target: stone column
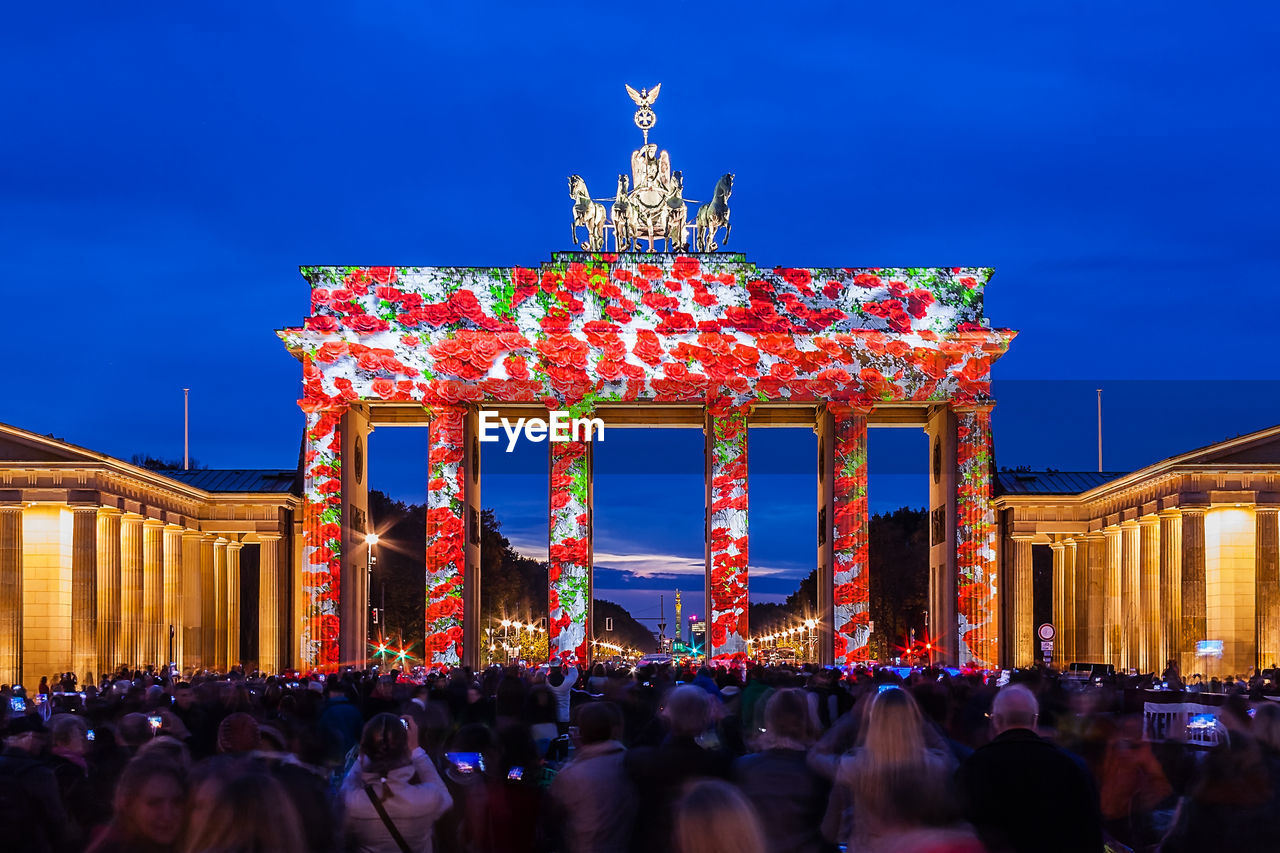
<point x="220" y="604"/>
<point x="847" y="526"/>
<point x="233" y="603"/>
<point x="1070" y="619"/>
<point x="1060" y="595"/>
<point x="10" y="594"/>
<point x="153" y="591"/>
<point x="84" y="592"/>
<point x="269" y="657"/>
<point x="569" y="549"/>
<point x="131" y="590"/>
<point x="1130" y="594"/>
<point x="321" y="557"/>
<point x="446" y="537"/>
<point x="173" y="611"/>
<point x="1149" y="592"/>
<point x="1096" y="615"/>
<point x="1267" y="561"/>
<point x="977" y="592"/>
<point x="192" y="602"/>
<point x="208" y="602"/>
<point x="1024" y="637"/>
<point x="726" y="530"/>
<point x="1194" y="603"/>
<point x="108" y="570"/>
<point x="1113" y="649"/>
<point x="1171" y="589"/>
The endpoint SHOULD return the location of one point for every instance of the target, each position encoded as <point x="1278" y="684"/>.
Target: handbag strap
<point x="386" y="821"/>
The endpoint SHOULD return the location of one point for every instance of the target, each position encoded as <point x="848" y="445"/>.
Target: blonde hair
<point x="714" y="817"/>
<point x="893" y="779"/>
<point x="242" y="810"/>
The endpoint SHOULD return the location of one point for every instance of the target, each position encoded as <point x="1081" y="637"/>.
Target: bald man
<point x="1021" y="792"/>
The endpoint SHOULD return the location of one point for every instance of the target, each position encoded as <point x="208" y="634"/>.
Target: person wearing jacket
<point x="595" y="803"/>
<point x="404" y="783"/>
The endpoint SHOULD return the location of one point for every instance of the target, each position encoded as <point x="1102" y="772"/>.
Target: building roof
<point x="236" y="479"/>
<point x="1051" y="482"/>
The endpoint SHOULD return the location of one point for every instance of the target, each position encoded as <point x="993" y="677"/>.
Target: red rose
<point x="719" y="636"/>
<point x="322" y="323"/>
<point x="685" y="267"/>
<point x="367" y="323"/>
<point x="382" y="275"/>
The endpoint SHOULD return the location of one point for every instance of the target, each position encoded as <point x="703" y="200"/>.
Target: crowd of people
<point x="656" y="758"/>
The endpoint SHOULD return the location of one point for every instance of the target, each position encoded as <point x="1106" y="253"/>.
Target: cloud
<point x="645" y="565"/>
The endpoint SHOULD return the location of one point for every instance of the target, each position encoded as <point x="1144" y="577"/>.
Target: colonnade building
<point x="104" y="563"/>
<point x="1177" y="561"/>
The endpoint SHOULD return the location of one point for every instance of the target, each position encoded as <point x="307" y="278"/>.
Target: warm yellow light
<point x="371" y="539"/>
<point x="506" y="623"/>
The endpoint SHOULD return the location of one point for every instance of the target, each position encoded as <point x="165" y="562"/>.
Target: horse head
<point x="725" y="184"/>
<point x="577" y="186"/>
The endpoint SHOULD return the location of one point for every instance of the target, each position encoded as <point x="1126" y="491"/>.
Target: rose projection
<point x="851" y="591"/>
<point x="977" y="615"/>
<point x="588" y="330"/>
<point x="321" y="536"/>
<point x="569" y="552"/>
<point x="727" y="505"/>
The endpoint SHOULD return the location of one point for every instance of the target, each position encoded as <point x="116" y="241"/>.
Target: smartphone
<point x="155" y="721"/>
<point x="883" y="687"/>
<point x="89" y="735"/>
<point x="404" y="723"/>
<point x="465" y="762"/>
<point x="17" y="703"/>
<point x="515" y="774"/>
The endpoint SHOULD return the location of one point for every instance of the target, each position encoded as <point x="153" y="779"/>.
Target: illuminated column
<point x="1268" y="585"/>
<point x="844" y="595"/>
<point x="1171" y="589"/>
<point x="1149" y="592"/>
<point x="1130" y="594"/>
<point x="269" y="660"/>
<point x="1023" y="639"/>
<point x="153" y="590"/>
<point x="1096" y="631"/>
<point x="725" y="431"/>
<point x="976" y="583"/>
<point x="446" y="537"/>
<point x="1114" y="617"/>
<point x="220" y="603"/>
<point x="171" y="613"/>
<point x="108" y="570"/>
<point x="569" y="544"/>
<point x="84" y="592"/>
<point x="233" y="603"/>
<point x="1061" y="595"/>
<point x="321" y="574"/>
<point x="1194" y="607"/>
<point x="10" y="594"/>
<point x="190" y="616"/>
<point x="131" y="592"/>
<point x="1078" y="605"/>
<point x="208" y="602"/>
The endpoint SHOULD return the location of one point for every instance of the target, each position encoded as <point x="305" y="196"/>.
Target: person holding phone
<point x="393" y="795"/>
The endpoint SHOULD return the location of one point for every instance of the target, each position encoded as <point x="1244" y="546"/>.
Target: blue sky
<point x="164" y="170"/>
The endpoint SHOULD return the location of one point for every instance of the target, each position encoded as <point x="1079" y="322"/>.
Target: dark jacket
<point x="790" y="798"/>
<point x="1022" y="793"/>
<point x="31" y="807"/>
<point x="659" y="775"/>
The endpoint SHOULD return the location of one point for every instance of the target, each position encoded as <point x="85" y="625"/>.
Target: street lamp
<point x="371" y="541"/>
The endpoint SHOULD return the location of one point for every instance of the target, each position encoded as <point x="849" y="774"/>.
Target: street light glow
<point x="371" y="539"/>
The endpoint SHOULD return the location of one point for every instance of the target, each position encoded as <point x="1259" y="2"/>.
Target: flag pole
<point x="186" y="429"/>
<point x="1099" y="430"/>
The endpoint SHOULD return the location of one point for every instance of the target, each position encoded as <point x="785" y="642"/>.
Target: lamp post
<point x="371" y="541"/>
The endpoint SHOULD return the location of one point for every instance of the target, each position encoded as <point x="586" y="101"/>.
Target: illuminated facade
<point x="104" y="563"/>
<point x="1177" y="561"/>
<point x="707" y="341"/>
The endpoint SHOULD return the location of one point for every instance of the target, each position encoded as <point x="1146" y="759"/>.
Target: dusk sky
<point x="164" y="171"/>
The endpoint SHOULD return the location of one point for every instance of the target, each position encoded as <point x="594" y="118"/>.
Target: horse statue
<point x="677" y="215"/>
<point x="713" y="216"/>
<point x="586" y="213"/>
<point x="624" y="224"/>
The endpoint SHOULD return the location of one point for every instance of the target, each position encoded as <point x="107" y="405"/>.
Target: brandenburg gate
<point x="690" y="336"/>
